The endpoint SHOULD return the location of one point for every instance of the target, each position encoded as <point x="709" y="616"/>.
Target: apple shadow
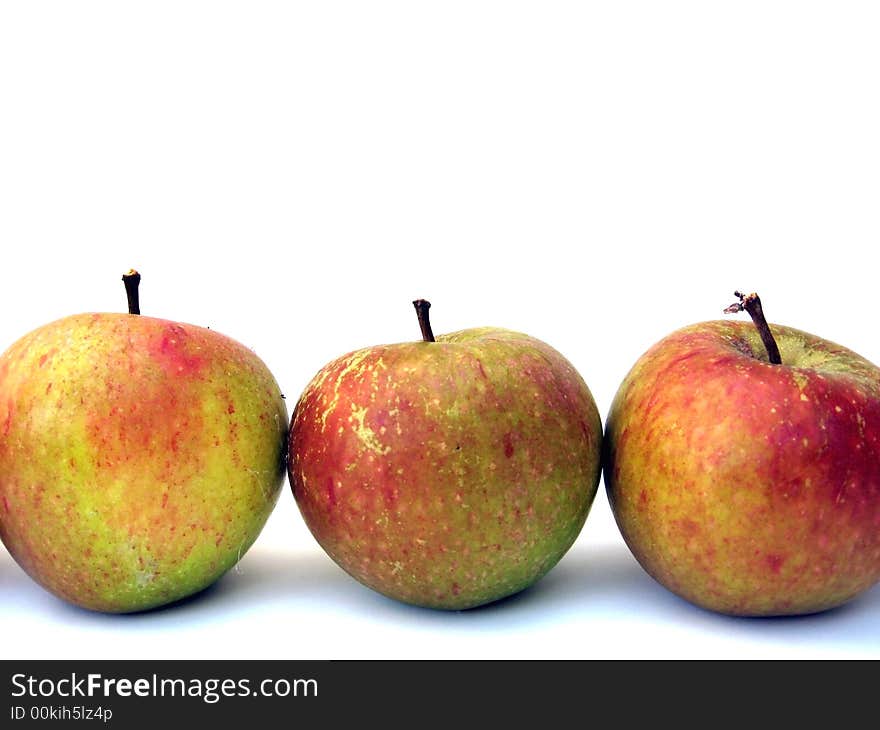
<point x="852" y="626"/>
<point x="311" y="578"/>
<point x="603" y="574"/>
<point x="576" y="586"/>
<point x="588" y="587"/>
<point x="12" y="575"/>
<point x="21" y="593"/>
<point x="8" y="569"/>
<point x="13" y="580"/>
<point x="611" y="576"/>
<point x="585" y="581"/>
<point x="258" y="580"/>
<point x="601" y="582"/>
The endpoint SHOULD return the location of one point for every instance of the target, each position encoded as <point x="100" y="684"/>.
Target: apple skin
<point x="745" y="487"/>
<point x="447" y="474"/>
<point x="139" y="457"/>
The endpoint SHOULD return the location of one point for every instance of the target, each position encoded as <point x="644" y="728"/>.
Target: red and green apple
<point x="448" y="472"/>
<point x="139" y="457"/>
<point x="742" y="464"/>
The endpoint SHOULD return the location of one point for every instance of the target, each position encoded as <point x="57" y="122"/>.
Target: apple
<point x="742" y="465"/>
<point x="139" y="457"/>
<point x="447" y="472"/>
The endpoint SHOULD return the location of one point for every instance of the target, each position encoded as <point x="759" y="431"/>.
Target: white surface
<point x="294" y="174"/>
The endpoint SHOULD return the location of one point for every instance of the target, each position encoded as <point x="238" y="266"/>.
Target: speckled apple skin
<point x="749" y="488"/>
<point x="139" y="458"/>
<point x="447" y="474"/>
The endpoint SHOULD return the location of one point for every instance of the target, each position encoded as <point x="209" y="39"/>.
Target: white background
<point x="293" y="174"/>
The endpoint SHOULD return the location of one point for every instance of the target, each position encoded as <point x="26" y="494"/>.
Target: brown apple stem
<point x="422" y="306"/>
<point x="131" y="280"/>
<point x="751" y="303"/>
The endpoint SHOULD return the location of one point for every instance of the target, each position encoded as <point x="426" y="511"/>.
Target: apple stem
<point x="422" y="306"/>
<point x="751" y="303"/>
<point x="131" y="280"/>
